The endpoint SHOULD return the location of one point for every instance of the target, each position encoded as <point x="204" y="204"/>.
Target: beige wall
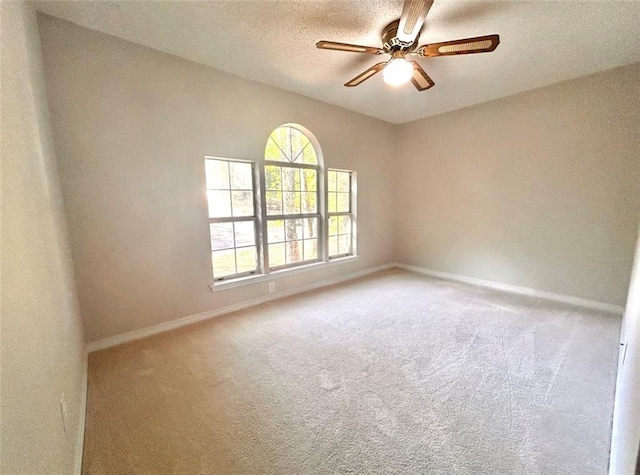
<point x="42" y="346"/>
<point x="540" y="190"/>
<point x="132" y="127"/>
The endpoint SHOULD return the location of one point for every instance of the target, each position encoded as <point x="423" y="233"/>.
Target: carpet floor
<point x="395" y="373"/>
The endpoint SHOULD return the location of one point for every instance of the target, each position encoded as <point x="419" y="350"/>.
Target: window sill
<point x="254" y="279"/>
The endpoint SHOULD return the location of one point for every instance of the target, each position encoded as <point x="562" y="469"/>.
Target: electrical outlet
<point x="272" y="287"/>
<point x="63" y="412"/>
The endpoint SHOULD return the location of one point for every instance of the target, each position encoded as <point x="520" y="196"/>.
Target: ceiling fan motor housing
<point x="390" y="41"/>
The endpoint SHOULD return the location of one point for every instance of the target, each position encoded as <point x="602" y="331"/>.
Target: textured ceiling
<point x="274" y="42"/>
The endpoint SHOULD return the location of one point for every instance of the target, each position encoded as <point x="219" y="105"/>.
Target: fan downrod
<point x="391" y="43"/>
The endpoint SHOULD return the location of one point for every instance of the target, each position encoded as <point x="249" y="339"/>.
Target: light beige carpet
<point x="392" y="374"/>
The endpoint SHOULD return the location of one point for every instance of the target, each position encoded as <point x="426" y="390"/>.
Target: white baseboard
<point x="166" y="326"/>
<point x="83" y="416"/>
<point x="180" y="322"/>
<point x="514" y="289"/>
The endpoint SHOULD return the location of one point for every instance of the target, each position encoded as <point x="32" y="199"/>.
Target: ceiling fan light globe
<point x="397" y="72"/>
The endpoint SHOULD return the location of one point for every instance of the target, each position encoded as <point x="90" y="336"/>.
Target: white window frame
<point x="318" y="214"/>
<point x="260" y="218"/>
<point x="235" y="219"/>
<point x="351" y="213"/>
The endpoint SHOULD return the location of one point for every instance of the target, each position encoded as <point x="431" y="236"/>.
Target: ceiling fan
<point x="400" y="39"/>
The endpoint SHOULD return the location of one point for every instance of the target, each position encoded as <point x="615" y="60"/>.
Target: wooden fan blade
<point x="479" y="44"/>
<point x="420" y="78"/>
<point x="413" y="14"/>
<point x="332" y="45"/>
<point x="360" y="78"/>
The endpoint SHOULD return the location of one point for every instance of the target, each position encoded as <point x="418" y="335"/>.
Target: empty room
<point x="320" y="237"/>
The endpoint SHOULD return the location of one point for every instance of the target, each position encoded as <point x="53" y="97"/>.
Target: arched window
<point x="293" y="200"/>
<point x="283" y="212"/>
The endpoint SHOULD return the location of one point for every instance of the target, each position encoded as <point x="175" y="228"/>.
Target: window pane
<point x="272" y="150"/>
<point x="309" y="202"/>
<point x="217" y="174"/>
<point x="332" y="179"/>
<point x="294" y="251"/>
<point x="333" y="245"/>
<point x="344" y="244"/>
<point x="333" y="225"/>
<point x="332" y="202"/>
<point x="310" y="249"/>
<point x="241" y="176"/>
<point x="219" y="204"/>
<point x="343" y="182"/>
<point x="276" y="255"/>
<point x="288" y="144"/>
<point x="246" y="259"/>
<point x="299" y="143"/>
<point x="245" y="234"/>
<point x="242" y="203"/>
<point x="310" y="227"/>
<point x="224" y="263"/>
<point x="275" y="231"/>
<point x="309" y="156"/>
<point x="291" y="179"/>
<point x="340" y="228"/>
<point x="344" y="224"/>
<point x="274" y="202"/>
<point x="221" y="236"/>
<point x="309" y="180"/>
<point x="273" y="177"/>
<point x="342" y="202"/>
<point x="294" y="229"/>
<point x="291" y="202"/>
<point x="280" y="137"/>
